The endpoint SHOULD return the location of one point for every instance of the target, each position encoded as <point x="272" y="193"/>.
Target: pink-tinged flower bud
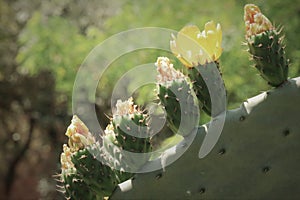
<point x="166" y="71"/>
<point x="255" y="21"/>
<point x="65" y="160"/>
<point x="125" y="107"/>
<point x="79" y="135"/>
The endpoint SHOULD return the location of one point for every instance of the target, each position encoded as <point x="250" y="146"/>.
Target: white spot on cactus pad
<point x="126" y="186"/>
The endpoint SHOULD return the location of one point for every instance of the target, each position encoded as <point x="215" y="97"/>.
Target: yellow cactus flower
<point x="255" y="21"/>
<point x="193" y="47"/>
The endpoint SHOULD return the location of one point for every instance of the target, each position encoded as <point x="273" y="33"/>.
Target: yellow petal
<point x="219" y="34"/>
<point x="191" y="30"/>
<point x="210" y="26"/>
<point x="193" y="47"/>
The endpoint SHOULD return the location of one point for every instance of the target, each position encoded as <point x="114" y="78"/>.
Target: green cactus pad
<point x="256" y="156"/>
<point x="115" y="158"/>
<point x="180" y="104"/>
<point x="139" y="142"/>
<point x="202" y="75"/>
<point x="267" y="50"/>
<point x="76" y="189"/>
<point x="99" y="177"/>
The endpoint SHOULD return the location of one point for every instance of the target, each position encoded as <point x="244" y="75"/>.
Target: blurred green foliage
<point x="55" y="43"/>
<point x="240" y="77"/>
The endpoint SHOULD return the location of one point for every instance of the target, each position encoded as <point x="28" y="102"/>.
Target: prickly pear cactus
<point x="76" y="188"/>
<point x="198" y="50"/>
<point x="91" y="170"/>
<point x="256" y="156"/>
<point x="71" y="183"/>
<point x="100" y="178"/>
<point x="266" y="46"/>
<point x="130" y="126"/>
<point x="178" y="98"/>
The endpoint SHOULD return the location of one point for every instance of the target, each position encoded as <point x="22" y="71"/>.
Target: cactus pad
<point x="256" y="156"/>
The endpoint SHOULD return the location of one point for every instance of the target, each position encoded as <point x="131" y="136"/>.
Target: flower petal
<point x="193" y="47"/>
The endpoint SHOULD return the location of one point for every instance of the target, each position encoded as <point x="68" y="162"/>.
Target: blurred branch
<point x="10" y="176"/>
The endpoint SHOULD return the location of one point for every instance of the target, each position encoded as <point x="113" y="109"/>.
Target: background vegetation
<point x="43" y="43"/>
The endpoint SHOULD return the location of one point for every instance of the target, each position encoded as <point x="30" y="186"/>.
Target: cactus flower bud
<point x="193" y="47"/>
<point x="266" y="46"/>
<point x="65" y="160"/>
<point x="125" y="107"/>
<point x="79" y="135"/>
<point x="255" y="21"/>
<point x="166" y="70"/>
<point x="177" y="96"/>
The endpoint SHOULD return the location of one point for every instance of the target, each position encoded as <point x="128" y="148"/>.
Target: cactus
<point x="178" y="98"/>
<point x="130" y="126"/>
<point x="266" y="46"/>
<point x="76" y="188"/>
<point x="132" y="134"/>
<point x="255" y="157"/>
<point x="71" y="183"/>
<point x="202" y="52"/>
<point x="83" y="175"/>
<point x="91" y="170"/>
<point x="100" y="178"/>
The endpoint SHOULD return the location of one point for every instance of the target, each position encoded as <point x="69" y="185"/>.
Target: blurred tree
<point x="27" y="102"/>
<point x="40" y="50"/>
